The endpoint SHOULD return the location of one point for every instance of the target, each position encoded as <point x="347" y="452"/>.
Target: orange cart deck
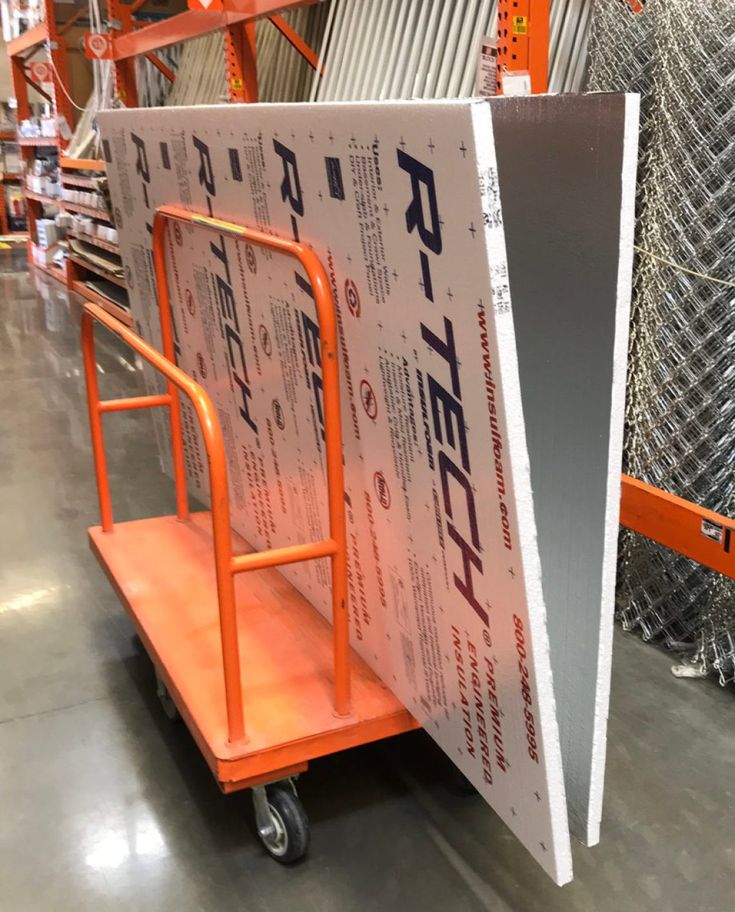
<point x="163" y="571"/>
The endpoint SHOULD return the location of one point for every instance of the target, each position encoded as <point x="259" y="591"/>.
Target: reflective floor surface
<point x="105" y="804"/>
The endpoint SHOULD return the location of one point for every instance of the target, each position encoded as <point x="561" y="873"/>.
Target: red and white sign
<point x="205" y="4"/>
<point x="41" y="72"/>
<point x="98" y="45"/>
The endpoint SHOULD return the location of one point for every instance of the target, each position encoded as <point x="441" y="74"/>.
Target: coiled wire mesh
<point x="680" y="435"/>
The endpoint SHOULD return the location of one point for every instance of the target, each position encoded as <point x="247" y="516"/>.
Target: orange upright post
<point x="242" y="71"/>
<point x="121" y="16"/>
<point x="523" y="41"/>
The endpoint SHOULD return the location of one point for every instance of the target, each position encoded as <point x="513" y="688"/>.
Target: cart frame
<point x="239" y="759"/>
<point x="228" y="564"/>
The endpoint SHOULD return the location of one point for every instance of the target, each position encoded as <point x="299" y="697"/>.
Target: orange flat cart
<point x="262" y="680"/>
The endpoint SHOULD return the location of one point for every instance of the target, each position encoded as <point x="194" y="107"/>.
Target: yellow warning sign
<point x="520" y="25"/>
<point x="236" y="84"/>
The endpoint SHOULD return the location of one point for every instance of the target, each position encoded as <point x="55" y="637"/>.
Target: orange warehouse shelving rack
<point x="131" y="37"/>
<point x="263" y="682"/>
<point x="46" y="38"/>
<point x="235" y="18"/>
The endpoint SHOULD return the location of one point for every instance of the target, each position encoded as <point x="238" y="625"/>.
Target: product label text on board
<point x="447" y="413"/>
<point x="225" y="294"/>
<point x="292" y="192"/>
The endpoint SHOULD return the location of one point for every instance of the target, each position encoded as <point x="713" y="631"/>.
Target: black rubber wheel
<point x="290" y="839"/>
<point x="167" y="702"/>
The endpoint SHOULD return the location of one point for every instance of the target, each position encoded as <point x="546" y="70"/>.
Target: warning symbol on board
<point x="190" y="303"/>
<point x="369" y="400"/>
<point x="278" y="414"/>
<point x="382" y="490"/>
<point x="353" y="298"/>
<point x="265" y="340"/>
<point x="250" y="258"/>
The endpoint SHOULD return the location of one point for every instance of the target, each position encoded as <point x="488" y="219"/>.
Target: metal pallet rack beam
<point x="131" y="39"/>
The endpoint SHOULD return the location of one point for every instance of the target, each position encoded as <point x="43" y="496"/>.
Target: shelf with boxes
<point x="94" y="265"/>
<point x="42" y="191"/>
<point x="75" y="240"/>
<point x="50" y="82"/>
<point x="13" y="223"/>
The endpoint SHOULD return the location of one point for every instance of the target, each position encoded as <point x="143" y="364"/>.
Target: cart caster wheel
<point x="283" y="826"/>
<point x="169" y="707"/>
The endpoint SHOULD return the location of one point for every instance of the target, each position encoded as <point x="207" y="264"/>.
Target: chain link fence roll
<point x="680" y="411"/>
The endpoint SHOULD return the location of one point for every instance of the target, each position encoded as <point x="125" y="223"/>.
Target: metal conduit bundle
<point x="153" y="87"/>
<point x="429" y="48"/>
<point x="681" y="407"/>
<point x="201" y="77"/>
<point x="283" y="74"/>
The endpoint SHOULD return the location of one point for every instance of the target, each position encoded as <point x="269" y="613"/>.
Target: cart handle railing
<point x="227" y="564"/>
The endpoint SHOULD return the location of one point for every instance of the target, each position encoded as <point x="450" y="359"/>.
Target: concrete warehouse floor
<point x="107" y="805"/>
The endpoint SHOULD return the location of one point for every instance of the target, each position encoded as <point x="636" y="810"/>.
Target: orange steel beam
<point x="30" y="39"/>
<point x="81" y="164"/>
<point x="60" y="76"/>
<point x="240" y="60"/>
<point x="297" y="42"/>
<point x="192" y="23"/>
<point x="37" y="88"/>
<point x="161" y="67"/>
<point x="125" y="80"/>
<point x="20" y="90"/>
<point x="69" y="22"/>
<point x="699" y="534"/>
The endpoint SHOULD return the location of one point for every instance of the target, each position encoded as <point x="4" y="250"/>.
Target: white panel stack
<point x="401" y="202"/>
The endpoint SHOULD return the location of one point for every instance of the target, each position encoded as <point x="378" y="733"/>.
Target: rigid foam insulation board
<point x="402" y="203"/>
<point x="567" y="171"/>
